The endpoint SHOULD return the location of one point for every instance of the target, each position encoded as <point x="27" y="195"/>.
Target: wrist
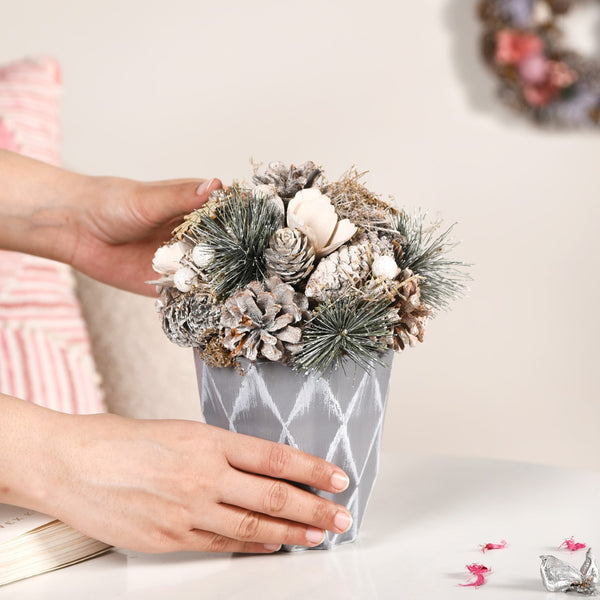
<point x="39" y="207"/>
<point x="28" y="457"/>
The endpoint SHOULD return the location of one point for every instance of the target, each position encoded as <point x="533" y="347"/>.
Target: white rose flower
<point x="313" y="214"/>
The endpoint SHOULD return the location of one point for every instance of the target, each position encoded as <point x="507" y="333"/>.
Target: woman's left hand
<point x="106" y="227"/>
<point x="122" y="223"/>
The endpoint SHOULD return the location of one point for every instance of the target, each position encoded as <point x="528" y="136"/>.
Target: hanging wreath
<point x="538" y="75"/>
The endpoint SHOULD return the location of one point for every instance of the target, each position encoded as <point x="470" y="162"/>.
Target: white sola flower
<point x="312" y="213"/>
<point x="167" y="258"/>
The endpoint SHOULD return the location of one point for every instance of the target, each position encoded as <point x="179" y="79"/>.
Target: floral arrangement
<point x="538" y="75"/>
<point x="297" y="269"/>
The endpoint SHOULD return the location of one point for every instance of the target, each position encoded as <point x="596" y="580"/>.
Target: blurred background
<point x="156" y="90"/>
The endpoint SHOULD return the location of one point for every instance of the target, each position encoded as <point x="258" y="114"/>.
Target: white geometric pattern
<point x="337" y="416"/>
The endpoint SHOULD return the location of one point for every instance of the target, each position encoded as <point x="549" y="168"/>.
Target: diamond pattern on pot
<point x="315" y="412"/>
<point x="337" y="416"/>
<point x="255" y="412"/>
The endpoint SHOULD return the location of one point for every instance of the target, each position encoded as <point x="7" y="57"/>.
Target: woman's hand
<point x="106" y="227"/>
<point x="120" y="223"/>
<point x="162" y="486"/>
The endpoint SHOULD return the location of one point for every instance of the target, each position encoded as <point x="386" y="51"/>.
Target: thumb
<point x="168" y="200"/>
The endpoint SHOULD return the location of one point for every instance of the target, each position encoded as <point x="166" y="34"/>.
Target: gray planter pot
<point x="337" y="416"/>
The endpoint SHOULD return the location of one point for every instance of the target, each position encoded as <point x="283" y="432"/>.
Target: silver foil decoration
<point x="559" y="576"/>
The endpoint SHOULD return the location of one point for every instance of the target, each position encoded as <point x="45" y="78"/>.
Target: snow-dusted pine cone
<point x="286" y="180"/>
<point x="381" y="245"/>
<point x="262" y="320"/>
<point x="188" y="318"/>
<point x="290" y="255"/>
<point x="348" y="267"/>
<point x="412" y="313"/>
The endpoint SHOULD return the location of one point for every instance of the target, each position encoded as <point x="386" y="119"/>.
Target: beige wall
<point x="185" y="88"/>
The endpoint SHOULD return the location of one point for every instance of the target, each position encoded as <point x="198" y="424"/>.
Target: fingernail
<point x="204" y="187"/>
<point x="272" y="547"/>
<point x="339" y="481"/>
<point x="314" y="536"/>
<point x="342" y="521"/>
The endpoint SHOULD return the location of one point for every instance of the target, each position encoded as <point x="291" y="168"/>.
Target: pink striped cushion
<point x="45" y="353"/>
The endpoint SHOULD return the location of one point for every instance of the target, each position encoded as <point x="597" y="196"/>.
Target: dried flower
<point x="480" y="571"/>
<point x="534" y="69"/>
<point x="491" y="546"/>
<point x="313" y="214"/>
<point x="572" y="545"/>
<point x="167" y="258"/>
<point x="513" y="46"/>
<point x="557" y="77"/>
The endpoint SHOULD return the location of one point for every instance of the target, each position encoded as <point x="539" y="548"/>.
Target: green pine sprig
<point x="350" y="327"/>
<point x="441" y="279"/>
<point x="237" y="232"/>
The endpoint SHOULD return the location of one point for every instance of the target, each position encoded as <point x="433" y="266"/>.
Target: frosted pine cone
<point x="260" y="320"/>
<point x="381" y="245"/>
<point x="412" y="313"/>
<point x="189" y="318"/>
<point x="288" y="181"/>
<point x="348" y="267"/>
<point x="290" y="255"/>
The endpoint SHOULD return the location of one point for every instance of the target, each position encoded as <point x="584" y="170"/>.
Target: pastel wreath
<point x="538" y="75"/>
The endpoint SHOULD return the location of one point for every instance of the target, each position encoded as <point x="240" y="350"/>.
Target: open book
<point x="32" y="543"/>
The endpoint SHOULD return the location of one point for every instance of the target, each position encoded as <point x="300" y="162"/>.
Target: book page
<point x="15" y="521"/>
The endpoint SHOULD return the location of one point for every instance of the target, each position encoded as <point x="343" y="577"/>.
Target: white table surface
<point x="424" y="523"/>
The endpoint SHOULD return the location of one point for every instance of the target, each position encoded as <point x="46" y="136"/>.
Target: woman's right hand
<point x="162" y="486"/>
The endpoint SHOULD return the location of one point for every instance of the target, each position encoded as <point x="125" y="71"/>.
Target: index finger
<point x="255" y="455"/>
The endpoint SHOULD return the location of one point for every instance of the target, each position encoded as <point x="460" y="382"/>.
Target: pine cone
<point x="381" y="245"/>
<point x="189" y="318"/>
<point x="348" y="267"/>
<point x="412" y="314"/>
<point x="290" y="255"/>
<point x="258" y="321"/>
<point x="288" y="181"/>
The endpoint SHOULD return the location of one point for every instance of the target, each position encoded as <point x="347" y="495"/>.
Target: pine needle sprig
<point x="351" y="327"/>
<point x="426" y="253"/>
<point x="238" y="233"/>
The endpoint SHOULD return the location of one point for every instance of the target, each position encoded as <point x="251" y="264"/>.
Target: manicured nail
<point x="342" y="521"/>
<point x="272" y="547"/>
<point x="314" y="536"/>
<point x="339" y="481"/>
<point x="204" y="187"/>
